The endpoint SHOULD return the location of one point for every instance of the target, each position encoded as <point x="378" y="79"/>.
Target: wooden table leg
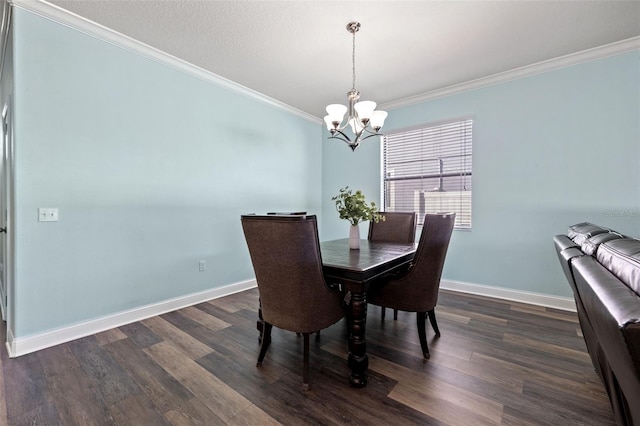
<point x="358" y="360"/>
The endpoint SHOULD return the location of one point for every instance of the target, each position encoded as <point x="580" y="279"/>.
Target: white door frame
<point x="6" y="192"/>
<point x="7" y="240"/>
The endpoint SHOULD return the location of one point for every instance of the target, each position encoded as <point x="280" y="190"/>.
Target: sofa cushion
<point x="591" y="244"/>
<point x="622" y="258"/>
<point x="581" y="231"/>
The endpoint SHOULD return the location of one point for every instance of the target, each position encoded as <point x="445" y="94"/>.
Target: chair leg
<point x="260" y="321"/>
<point x="305" y="366"/>
<point x="432" y="320"/>
<point x="421" y="318"/>
<point x="266" y="341"/>
<point x="383" y="311"/>
<point x="317" y="335"/>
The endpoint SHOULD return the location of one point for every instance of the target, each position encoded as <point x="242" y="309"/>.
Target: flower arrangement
<point x="354" y="208"/>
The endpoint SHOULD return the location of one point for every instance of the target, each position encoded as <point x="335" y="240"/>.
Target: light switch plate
<point x="47" y="214"/>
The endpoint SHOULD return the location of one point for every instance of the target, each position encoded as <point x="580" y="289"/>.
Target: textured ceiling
<point x="299" y="52"/>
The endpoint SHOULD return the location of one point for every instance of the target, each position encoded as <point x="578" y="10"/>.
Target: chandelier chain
<point x="353" y="62"/>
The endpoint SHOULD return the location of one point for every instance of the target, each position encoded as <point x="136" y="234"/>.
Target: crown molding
<point x="61" y="16"/>
<point x="588" y="55"/>
<point x="71" y="20"/>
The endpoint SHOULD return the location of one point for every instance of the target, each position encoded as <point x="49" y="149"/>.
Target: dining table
<point x="356" y="270"/>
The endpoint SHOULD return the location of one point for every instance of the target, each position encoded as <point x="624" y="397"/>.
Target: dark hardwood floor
<point x="497" y="363"/>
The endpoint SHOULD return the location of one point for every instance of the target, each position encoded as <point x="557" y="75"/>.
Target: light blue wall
<point x="150" y="168"/>
<point x="357" y="170"/>
<point x="549" y="151"/>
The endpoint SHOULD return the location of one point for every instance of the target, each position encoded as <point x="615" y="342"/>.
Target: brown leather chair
<point x="398" y="227"/>
<point x="294" y="296"/>
<point x="416" y="290"/>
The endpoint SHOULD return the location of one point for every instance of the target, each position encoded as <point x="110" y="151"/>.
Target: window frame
<point x="383" y="180"/>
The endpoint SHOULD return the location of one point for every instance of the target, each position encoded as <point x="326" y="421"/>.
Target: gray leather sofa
<point x="603" y="269"/>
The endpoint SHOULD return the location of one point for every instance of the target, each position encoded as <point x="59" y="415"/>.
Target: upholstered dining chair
<point x="416" y="290"/>
<point x="285" y="253"/>
<point x="398" y="227"/>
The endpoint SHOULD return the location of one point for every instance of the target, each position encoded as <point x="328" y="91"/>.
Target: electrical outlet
<point x="46" y="214"/>
<point x="202" y="265"/>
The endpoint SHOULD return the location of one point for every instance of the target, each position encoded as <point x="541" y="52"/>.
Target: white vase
<point x="354" y="237"/>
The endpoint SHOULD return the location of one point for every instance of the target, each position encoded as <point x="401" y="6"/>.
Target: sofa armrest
<point x="562" y="242"/>
<point x="566" y="256"/>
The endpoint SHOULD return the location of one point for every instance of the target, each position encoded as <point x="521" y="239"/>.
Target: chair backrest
<point x="285" y="253"/>
<point x="398" y="227"/>
<point x="423" y="278"/>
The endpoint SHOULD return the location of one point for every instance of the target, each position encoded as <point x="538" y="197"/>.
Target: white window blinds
<point x="428" y="170"/>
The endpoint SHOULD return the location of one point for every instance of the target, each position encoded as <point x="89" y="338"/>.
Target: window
<point x="428" y="170"/>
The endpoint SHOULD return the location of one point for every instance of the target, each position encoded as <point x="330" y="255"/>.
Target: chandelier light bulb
<point x="365" y="109"/>
<point x="377" y="119"/>
<point x="336" y="112"/>
<point x="327" y="120"/>
<point x="356" y="126"/>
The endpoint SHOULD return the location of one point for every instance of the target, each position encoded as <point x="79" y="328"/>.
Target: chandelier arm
<point x="352" y="144"/>
<point x="368" y="136"/>
<point x="340" y="128"/>
<point x="344" y="136"/>
<point x="372" y="132"/>
<point x="338" y="138"/>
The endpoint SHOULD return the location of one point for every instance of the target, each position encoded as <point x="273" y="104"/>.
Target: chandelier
<point x="363" y="119"/>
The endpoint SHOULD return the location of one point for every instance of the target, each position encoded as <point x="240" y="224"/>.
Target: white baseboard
<point x="24" y="345"/>
<point x="557" y="302"/>
<point x="10" y="338"/>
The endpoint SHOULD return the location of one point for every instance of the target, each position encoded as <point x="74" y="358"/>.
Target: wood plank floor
<point x="497" y="363"/>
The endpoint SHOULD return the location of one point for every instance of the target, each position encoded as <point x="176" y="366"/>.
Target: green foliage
<point x="354" y="208"/>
